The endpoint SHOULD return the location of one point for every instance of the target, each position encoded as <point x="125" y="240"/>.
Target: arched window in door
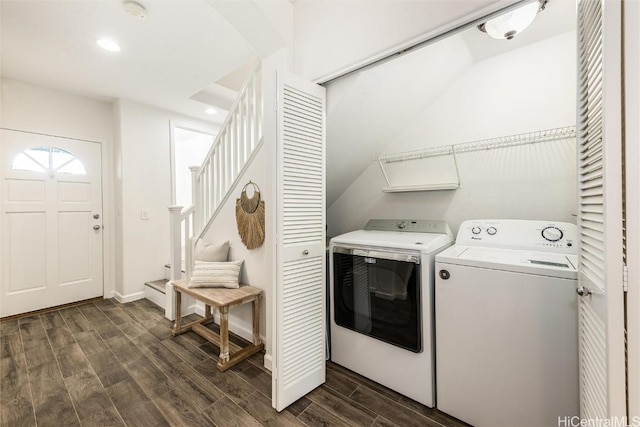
<point x="42" y="159"/>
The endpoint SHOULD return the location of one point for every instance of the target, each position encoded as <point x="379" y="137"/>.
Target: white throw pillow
<point x="216" y="274"/>
<point x="212" y="253"/>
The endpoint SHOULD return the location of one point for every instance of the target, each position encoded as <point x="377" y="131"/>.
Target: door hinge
<point x="625" y="278"/>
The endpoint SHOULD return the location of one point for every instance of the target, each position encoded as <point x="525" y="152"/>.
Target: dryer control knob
<point x="552" y="234"/>
<point x="491" y="231"/>
<point x="476" y="230"/>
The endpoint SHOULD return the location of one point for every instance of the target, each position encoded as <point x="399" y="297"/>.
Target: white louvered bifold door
<point x="300" y="258"/>
<point x="601" y="314"/>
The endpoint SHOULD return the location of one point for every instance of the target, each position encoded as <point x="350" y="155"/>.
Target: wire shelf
<point x="452" y="182"/>
<point x="556" y="134"/>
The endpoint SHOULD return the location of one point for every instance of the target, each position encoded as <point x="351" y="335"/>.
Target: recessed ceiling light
<point x="108" y="44"/>
<point x="134" y="9"/>
<point x="210" y="111"/>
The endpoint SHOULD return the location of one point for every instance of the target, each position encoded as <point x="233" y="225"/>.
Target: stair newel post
<point x="188" y="246"/>
<point x="175" y="257"/>
<point x="196" y="195"/>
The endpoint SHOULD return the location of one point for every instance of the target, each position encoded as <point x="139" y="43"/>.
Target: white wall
<point x="256" y="270"/>
<point x="365" y="110"/>
<point x="529" y="89"/>
<point x="35" y="109"/>
<point x="332" y="36"/>
<point x="145" y="180"/>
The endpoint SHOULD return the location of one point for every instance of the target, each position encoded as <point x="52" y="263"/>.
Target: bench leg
<point x="178" y="313"/>
<point x="226" y="360"/>
<point x="256" y="321"/>
<point x="207" y="312"/>
<point x="224" y="335"/>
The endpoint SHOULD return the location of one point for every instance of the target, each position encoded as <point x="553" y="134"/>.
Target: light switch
<point x="144" y="215"/>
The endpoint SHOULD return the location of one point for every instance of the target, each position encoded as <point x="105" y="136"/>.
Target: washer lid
<point x="530" y="262"/>
<point x="424" y="242"/>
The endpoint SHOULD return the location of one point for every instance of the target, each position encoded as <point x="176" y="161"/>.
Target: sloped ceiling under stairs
<point x="369" y="109"/>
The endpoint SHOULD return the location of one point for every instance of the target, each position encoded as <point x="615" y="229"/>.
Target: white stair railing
<point x="231" y="153"/>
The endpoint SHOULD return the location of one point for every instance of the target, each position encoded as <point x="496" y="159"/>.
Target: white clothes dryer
<point x="382" y="303"/>
<point x="506" y="324"/>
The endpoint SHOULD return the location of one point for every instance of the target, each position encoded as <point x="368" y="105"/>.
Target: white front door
<point x="51" y="226"/>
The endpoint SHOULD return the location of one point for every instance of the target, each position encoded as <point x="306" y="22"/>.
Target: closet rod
<point x="547" y="135"/>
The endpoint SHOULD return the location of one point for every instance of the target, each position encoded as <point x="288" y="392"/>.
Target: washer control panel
<point x="543" y="236"/>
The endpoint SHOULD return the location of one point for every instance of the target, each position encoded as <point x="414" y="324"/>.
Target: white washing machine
<point x="382" y="303"/>
<point x="506" y="324"/>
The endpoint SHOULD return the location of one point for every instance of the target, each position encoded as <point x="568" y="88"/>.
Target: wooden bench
<point x="222" y="299"/>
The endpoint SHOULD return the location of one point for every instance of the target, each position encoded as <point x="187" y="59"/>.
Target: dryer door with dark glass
<point x="377" y="293"/>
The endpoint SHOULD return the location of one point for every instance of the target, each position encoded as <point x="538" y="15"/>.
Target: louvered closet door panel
<point x="300" y="287"/>
<point x="602" y="391"/>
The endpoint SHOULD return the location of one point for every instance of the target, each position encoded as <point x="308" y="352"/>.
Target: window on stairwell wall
<point x="189" y="148"/>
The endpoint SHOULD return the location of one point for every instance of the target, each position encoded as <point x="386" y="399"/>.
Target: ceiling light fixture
<point x="134" y="9"/>
<point x="210" y="111"/>
<point x="108" y="44"/>
<point x="507" y="25"/>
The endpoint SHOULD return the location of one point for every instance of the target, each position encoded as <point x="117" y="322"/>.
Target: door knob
<point x="582" y="291"/>
<point x="305" y="252"/>
<point x="96" y="216"/>
<point x="444" y="274"/>
<point x="96" y="227"/>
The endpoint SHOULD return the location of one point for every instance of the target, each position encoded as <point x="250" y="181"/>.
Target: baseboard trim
<point x="128" y="298"/>
<point x="268" y="360"/>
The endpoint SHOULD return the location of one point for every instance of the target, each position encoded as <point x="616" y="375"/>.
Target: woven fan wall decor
<point x="250" y="217"/>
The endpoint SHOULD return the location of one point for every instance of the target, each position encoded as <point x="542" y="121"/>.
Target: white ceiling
<point x="185" y="55"/>
<point x="179" y="50"/>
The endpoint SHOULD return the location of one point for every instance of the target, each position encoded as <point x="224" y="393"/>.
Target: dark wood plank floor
<point x="110" y="364"/>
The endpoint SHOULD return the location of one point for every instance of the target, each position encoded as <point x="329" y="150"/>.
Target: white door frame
<point x="172" y="147"/>
<point x="631" y="54"/>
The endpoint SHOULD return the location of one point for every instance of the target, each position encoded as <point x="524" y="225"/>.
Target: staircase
<point x="234" y="148"/>
<point x="156" y="290"/>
